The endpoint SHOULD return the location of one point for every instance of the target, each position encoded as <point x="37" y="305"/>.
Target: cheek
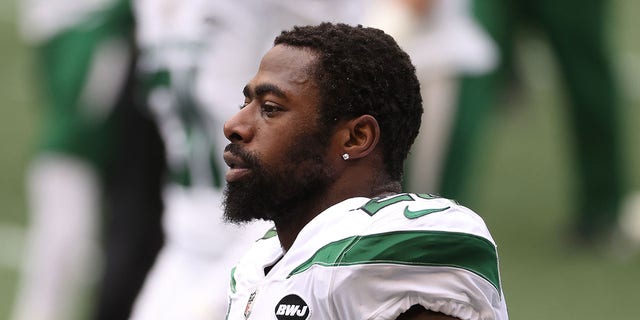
<point x="275" y="148"/>
<point x="296" y="142"/>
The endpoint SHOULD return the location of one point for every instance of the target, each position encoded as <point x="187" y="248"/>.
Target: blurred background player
<point x="190" y="276"/>
<point x="196" y="56"/>
<point x="94" y="179"/>
<point x="579" y="39"/>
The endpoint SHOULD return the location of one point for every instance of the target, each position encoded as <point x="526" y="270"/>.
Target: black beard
<point x="275" y="194"/>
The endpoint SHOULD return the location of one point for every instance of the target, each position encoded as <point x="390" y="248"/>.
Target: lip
<point x="237" y="167"/>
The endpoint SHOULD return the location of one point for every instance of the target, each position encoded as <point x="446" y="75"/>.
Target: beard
<point x="274" y="193"/>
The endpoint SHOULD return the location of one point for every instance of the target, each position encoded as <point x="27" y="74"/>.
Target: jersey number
<point x="376" y="204"/>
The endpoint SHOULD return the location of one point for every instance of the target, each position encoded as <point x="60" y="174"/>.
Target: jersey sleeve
<point x="429" y="252"/>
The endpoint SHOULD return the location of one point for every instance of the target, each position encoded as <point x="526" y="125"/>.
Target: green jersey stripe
<point x="422" y="248"/>
<point x="233" y="280"/>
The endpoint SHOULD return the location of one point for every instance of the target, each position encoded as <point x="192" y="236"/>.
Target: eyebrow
<point x="262" y="89"/>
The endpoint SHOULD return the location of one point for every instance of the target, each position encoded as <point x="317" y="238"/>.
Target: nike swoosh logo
<point x="420" y="213"/>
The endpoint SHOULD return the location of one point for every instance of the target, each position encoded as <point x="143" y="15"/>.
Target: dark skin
<point x="419" y="313"/>
<point x="280" y="105"/>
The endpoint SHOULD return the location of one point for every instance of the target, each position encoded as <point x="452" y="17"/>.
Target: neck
<point x="289" y="228"/>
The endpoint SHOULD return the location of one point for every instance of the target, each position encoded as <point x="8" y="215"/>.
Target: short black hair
<point x="363" y="71"/>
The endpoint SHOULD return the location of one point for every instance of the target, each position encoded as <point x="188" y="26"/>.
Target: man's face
<point x="277" y="155"/>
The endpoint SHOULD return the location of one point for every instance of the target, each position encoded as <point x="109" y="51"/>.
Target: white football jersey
<point x="374" y="259"/>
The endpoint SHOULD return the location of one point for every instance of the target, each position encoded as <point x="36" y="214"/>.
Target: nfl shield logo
<point x="247" y="309"/>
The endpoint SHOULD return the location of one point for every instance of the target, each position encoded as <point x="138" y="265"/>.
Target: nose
<point x="238" y="128"/>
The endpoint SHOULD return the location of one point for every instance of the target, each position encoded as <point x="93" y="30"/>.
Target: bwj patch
<point x="292" y="307"/>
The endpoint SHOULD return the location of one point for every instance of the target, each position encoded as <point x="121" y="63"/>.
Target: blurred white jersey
<point x="173" y="36"/>
<point x="374" y="259"/>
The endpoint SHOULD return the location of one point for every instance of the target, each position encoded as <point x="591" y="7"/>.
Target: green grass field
<point x="522" y="186"/>
<point x="18" y="122"/>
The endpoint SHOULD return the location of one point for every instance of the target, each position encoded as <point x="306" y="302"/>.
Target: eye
<point x="269" y="110"/>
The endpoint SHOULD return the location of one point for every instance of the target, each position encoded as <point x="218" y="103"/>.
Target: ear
<point x="361" y="136"/>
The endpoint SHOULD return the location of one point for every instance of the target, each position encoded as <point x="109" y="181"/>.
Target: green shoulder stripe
<point x="421" y="248"/>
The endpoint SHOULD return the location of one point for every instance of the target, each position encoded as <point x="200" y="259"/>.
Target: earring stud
<point x="345" y="156"/>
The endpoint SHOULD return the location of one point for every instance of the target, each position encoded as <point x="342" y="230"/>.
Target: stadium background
<point x="525" y="208"/>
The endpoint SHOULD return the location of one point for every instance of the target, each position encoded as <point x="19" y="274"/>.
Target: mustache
<point x="247" y="157"/>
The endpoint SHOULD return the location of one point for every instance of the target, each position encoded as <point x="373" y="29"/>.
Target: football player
<point x="318" y="148"/>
